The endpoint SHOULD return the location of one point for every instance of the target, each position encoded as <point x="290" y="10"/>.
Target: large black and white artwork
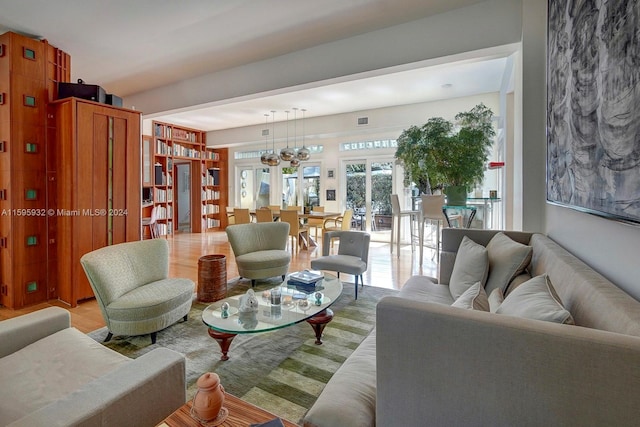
<point x="593" y="106"/>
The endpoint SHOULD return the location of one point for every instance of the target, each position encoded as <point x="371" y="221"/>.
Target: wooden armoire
<point x="98" y="181"/>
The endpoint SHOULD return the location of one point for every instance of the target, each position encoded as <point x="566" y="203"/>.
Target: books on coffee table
<point x="306" y="277"/>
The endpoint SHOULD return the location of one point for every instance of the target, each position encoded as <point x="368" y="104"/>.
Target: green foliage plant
<point x="441" y="154"/>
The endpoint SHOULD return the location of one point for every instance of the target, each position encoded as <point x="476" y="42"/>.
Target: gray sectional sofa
<point x="430" y="364"/>
<point x="54" y="375"/>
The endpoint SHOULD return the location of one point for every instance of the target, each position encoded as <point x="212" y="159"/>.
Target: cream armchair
<point x="133" y="290"/>
<point x="260" y="249"/>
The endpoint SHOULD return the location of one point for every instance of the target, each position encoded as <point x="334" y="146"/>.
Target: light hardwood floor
<point x="385" y="270"/>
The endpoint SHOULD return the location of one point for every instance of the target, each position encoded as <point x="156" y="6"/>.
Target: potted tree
<point x="448" y="156"/>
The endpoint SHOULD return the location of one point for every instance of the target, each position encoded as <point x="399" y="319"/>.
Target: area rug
<point x="282" y="371"/>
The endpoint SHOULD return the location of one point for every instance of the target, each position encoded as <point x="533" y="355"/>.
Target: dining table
<point x="302" y="216"/>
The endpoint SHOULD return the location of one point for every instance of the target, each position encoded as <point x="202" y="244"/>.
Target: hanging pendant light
<point x="265" y="153"/>
<point x="294" y="161"/>
<point x="303" y="153"/>
<point x="272" y="158"/>
<point x="286" y="154"/>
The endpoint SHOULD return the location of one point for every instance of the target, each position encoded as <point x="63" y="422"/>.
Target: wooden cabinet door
<point x="108" y="180"/>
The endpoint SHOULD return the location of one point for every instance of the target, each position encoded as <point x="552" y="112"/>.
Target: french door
<point x="254" y="187"/>
<point x="368" y="186"/>
<point x="301" y="185"/>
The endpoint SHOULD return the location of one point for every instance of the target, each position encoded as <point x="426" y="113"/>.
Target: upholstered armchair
<point x="131" y="284"/>
<point x="352" y="257"/>
<point x="260" y="249"/>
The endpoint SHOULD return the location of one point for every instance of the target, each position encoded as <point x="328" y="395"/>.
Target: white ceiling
<point x="129" y="46"/>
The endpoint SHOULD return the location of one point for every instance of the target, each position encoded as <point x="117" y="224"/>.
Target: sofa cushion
<point x="426" y="289"/>
<point x="517" y="281"/>
<point x="474" y="298"/>
<point x="536" y="299"/>
<point x="495" y="299"/>
<point x="471" y="266"/>
<point x="349" y="398"/>
<point x="152" y="300"/>
<point x="265" y="259"/>
<point x="50" y="369"/>
<point x="507" y="259"/>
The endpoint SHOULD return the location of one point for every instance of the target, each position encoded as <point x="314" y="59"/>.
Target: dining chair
<point x="241" y="216"/>
<point x="297" y="231"/>
<point x="341" y="223"/>
<point x="152" y="223"/>
<point x="316" y="223"/>
<point x="396" y="219"/>
<point x="264" y="215"/>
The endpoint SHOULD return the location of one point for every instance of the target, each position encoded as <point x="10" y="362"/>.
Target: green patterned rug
<point x="282" y="371"/>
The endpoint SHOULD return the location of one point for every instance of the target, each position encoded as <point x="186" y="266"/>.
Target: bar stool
<point x="396" y="217"/>
<point x="431" y="211"/>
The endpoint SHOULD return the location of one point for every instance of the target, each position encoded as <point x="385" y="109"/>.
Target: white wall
<point x="608" y="246"/>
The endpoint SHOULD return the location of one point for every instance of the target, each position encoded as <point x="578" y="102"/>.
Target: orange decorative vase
<point x="209" y="398"/>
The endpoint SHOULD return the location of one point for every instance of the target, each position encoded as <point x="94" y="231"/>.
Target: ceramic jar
<point x="209" y="398"/>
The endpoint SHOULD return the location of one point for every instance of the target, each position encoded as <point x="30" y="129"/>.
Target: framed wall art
<point x="593" y="107"/>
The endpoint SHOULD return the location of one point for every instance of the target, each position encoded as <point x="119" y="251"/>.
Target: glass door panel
<point x="368" y="187"/>
<point x="263" y="187"/>
<point x="311" y="187"/>
<point x="357" y="192"/>
<point x="290" y="186"/>
<point x="381" y="188"/>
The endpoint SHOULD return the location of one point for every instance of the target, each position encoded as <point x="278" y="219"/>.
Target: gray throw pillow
<point x="495" y="299"/>
<point x="471" y="266"/>
<point x="536" y="299"/>
<point x="474" y="298"/>
<point x="507" y="259"/>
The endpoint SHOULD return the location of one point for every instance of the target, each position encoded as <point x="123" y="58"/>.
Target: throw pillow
<point x="471" y="266"/>
<point x="536" y="299"/>
<point x="474" y="298"/>
<point x="507" y="259"/>
<point x="495" y="299"/>
<point x="517" y="281"/>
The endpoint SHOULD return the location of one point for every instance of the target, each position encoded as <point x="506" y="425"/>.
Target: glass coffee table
<point x="297" y="304"/>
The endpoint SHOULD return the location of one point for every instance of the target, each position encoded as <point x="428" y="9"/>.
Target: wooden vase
<point x="209" y="398"/>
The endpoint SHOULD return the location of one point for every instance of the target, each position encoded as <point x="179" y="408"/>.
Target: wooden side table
<point x="241" y="414"/>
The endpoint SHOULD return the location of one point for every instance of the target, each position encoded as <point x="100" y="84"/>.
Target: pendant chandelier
<point x="265" y="153"/>
<point x="295" y="162"/>
<point x="286" y="154"/>
<point x="303" y="154"/>
<point x="294" y="155"/>
<point x="273" y="159"/>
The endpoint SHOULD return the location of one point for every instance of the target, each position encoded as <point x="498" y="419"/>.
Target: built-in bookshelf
<point x="174" y="145"/>
<point x="214" y="190"/>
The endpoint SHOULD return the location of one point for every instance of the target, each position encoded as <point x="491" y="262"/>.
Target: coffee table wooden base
<point x="319" y="321"/>
<point x="224" y="340"/>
